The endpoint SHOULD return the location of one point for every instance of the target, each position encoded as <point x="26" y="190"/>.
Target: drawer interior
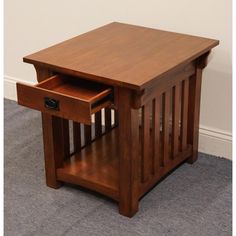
<point x="84" y="90"/>
<point x="67" y="97"/>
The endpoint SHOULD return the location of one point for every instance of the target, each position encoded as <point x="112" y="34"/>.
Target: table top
<point x="122" y="54"/>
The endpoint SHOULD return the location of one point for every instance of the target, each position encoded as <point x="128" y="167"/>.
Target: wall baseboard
<point x="10" y="86"/>
<point x="215" y="142"/>
<point x="211" y="140"/>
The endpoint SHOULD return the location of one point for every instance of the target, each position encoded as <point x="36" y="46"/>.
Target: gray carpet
<point x="193" y="200"/>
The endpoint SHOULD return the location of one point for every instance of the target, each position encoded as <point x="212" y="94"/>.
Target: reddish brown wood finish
<point x="107" y="119"/>
<point x="165" y="83"/>
<point x="95" y="166"/>
<point x="77" y="136"/>
<point x="87" y="134"/>
<point x="194" y="111"/>
<point x="135" y="68"/>
<point x="184" y="113"/>
<point x="144" y="187"/>
<point x="128" y="157"/>
<point x="166" y="127"/>
<point x="98" y="124"/>
<point x="146" y="154"/>
<point x="66" y="138"/>
<point x="156" y="135"/>
<point x="42" y="73"/>
<point x="85" y="96"/>
<point x="53" y="148"/>
<point x="175" y="119"/>
<point x="55" y="139"/>
<point x="122" y="54"/>
<point x="116" y="117"/>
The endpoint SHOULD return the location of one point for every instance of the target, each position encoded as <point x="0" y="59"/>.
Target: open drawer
<point x="67" y="97"/>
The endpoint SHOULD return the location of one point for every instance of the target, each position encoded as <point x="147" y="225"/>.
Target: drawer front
<point x="53" y="103"/>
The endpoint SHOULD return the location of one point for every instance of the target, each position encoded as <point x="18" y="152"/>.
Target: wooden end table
<point x="132" y="95"/>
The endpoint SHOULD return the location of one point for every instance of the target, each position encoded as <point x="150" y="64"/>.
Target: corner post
<point x="195" y="82"/>
<point x="128" y="153"/>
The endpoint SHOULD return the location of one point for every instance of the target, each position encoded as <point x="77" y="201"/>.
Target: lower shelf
<point x="95" y="166"/>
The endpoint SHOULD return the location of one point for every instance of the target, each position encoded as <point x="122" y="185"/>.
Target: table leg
<point x="53" y="147"/>
<point x="128" y="148"/>
<point x="55" y="137"/>
<point x="194" y="113"/>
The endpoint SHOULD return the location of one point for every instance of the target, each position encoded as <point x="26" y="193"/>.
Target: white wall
<point x="34" y="25"/>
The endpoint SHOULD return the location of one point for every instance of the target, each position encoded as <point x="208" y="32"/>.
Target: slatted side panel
<point x="151" y="138"/>
<point x="163" y="129"/>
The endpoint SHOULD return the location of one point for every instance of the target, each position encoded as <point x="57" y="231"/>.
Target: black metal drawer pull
<point x="51" y="103"/>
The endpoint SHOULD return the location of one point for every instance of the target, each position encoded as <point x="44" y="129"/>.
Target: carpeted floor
<point x="193" y="200"/>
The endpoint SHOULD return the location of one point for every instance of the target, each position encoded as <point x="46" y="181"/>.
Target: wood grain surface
<point x="122" y="54"/>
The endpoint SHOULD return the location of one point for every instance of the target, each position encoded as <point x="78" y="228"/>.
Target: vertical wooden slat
<point x="107" y="119"/>
<point x="175" y="120"/>
<point x="76" y="136"/>
<point x="116" y="117"/>
<point x="98" y="124"/>
<point x="146" y="157"/>
<point x="165" y="126"/>
<point x="156" y="134"/>
<point x="116" y="100"/>
<point x="66" y="138"/>
<point x="87" y="134"/>
<point x="184" y="113"/>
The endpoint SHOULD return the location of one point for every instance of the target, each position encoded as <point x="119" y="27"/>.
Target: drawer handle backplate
<point x="51" y="103"/>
